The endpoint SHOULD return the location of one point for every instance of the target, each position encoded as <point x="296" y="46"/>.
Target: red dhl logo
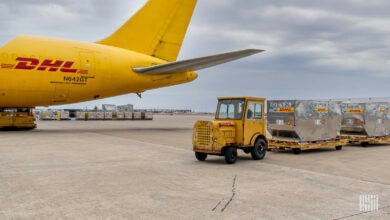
<point x="25" y="63"/>
<point x="322" y="110"/>
<point x="355" y="111"/>
<point x="285" y="110"/>
<point x="227" y="123"/>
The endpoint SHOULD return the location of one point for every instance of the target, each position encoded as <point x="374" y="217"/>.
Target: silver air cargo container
<point x="92" y="115"/>
<point x="48" y="115"/>
<point x="302" y="125"/>
<point x="99" y="115"/>
<point x="366" y="119"/>
<point x="80" y="115"/>
<point x="109" y="108"/>
<point x="120" y="115"/>
<point x="137" y="115"/>
<point x="147" y="116"/>
<point x="108" y="115"/>
<point x="128" y="115"/>
<point x="125" y="108"/>
<point x="63" y="115"/>
<point x="304" y="120"/>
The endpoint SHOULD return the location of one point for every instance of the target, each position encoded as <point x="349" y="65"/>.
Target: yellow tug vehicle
<point x="17" y="119"/>
<point x="239" y="124"/>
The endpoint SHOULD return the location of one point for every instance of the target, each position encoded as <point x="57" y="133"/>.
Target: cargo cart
<point x="297" y="147"/>
<point x="304" y="124"/>
<point x="365" y="123"/>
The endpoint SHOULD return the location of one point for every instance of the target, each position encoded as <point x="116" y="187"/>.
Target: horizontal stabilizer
<point x="195" y="64"/>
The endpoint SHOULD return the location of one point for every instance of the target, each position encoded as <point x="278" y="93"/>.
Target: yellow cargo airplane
<point x="141" y="55"/>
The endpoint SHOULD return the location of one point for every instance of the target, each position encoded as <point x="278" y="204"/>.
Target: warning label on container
<point x="286" y="110"/>
<point x="382" y="111"/>
<point x="322" y="110"/>
<point x="355" y="111"/>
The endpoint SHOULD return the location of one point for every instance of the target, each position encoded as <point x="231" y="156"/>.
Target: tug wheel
<point x="231" y="155"/>
<point x="200" y="156"/>
<point x="258" y="151"/>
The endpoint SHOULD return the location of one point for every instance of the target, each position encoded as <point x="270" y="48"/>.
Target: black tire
<point x="258" y="151"/>
<point x="200" y="156"/>
<point x="230" y="155"/>
<point x="364" y="144"/>
<point x="296" y="150"/>
<point x="339" y="147"/>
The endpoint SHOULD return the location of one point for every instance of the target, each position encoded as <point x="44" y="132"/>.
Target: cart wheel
<point x="364" y="144"/>
<point x="339" y="147"/>
<point x="259" y="150"/>
<point x="200" y="156"/>
<point x="296" y="150"/>
<point x="231" y="155"/>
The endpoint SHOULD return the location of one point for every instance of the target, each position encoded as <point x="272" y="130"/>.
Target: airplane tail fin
<point x="158" y="29"/>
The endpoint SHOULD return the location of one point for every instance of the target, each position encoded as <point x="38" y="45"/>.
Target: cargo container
<point x="119" y="115"/>
<point x="304" y="124"/>
<point x="63" y="115"/>
<point x="81" y="115"/>
<point x="366" y="123"/>
<point x="107" y="115"/>
<point x="109" y="107"/>
<point x="147" y="116"/>
<point x="48" y="115"/>
<point x="137" y="116"/>
<point x="92" y="115"/>
<point x="99" y="115"/>
<point x="128" y="115"/>
<point x="125" y="108"/>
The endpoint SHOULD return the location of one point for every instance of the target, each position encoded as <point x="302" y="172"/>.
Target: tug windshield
<point x="230" y="109"/>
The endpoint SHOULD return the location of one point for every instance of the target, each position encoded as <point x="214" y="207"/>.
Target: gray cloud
<point x="314" y="49"/>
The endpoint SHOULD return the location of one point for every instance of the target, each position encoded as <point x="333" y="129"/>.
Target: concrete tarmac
<point x="147" y="170"/>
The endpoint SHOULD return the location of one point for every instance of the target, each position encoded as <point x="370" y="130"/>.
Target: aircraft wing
<point x="195" y="64"/>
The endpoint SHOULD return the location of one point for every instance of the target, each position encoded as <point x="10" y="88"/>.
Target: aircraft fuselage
<point x="39" y="71"/>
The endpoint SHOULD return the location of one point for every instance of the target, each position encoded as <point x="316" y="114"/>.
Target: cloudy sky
<point x="314" y="49"/>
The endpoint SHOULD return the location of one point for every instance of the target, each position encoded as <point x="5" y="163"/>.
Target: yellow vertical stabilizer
<point x="158" y="29"/>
